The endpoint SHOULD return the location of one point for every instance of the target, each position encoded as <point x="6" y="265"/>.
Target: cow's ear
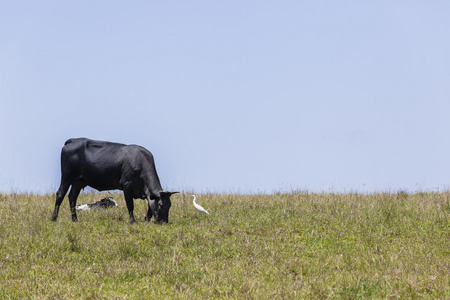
<point x="171" y="193"/>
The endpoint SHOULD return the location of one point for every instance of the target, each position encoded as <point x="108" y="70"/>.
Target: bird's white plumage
<point x="198" y="207"/>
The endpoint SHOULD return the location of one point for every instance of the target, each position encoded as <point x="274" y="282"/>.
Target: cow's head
<point x="161" y="207"/>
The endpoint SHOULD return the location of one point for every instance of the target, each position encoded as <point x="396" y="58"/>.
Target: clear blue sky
<point x="232" y="96"/>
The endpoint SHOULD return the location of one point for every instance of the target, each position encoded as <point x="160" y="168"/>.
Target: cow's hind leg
<point x="73" y="195"/>
<point x="60" y="194"/>
<point x="130" y="204"/>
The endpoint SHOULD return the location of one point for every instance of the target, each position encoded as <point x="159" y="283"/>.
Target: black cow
<point x="111" y="166"/>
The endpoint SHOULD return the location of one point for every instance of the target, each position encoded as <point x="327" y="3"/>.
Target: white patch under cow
<point x="104" y="203"/>
<point x="82" y="207"/>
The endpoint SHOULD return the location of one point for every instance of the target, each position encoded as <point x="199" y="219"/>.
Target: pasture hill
<point x="294" y="245"/>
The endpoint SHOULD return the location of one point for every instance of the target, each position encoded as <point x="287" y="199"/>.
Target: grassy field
<point x="296" y="245"/>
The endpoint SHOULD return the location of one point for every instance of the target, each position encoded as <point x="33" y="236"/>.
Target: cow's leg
<point x="73" y="195"/>
<point x="60" y="194"/>
<point x="150" y="210"/>
<point x="130" y="204"/>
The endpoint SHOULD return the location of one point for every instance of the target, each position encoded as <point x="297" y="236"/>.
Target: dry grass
<point x="296" y="245"/>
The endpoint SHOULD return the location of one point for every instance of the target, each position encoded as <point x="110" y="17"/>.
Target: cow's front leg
<point x="130" y="205"/>
<point x="149" y="215"/>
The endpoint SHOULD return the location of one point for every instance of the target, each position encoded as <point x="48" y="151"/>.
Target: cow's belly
<point x="102" y="180"/>
<point x="102" y="185"/>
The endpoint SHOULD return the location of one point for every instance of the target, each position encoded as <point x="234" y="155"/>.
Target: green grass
<point x="298" y="245"/>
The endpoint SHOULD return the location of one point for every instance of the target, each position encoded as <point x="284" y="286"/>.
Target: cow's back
<point x="94" y="163"/>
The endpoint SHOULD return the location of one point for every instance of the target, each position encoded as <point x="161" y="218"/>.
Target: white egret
<point x="198" y="207"/>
